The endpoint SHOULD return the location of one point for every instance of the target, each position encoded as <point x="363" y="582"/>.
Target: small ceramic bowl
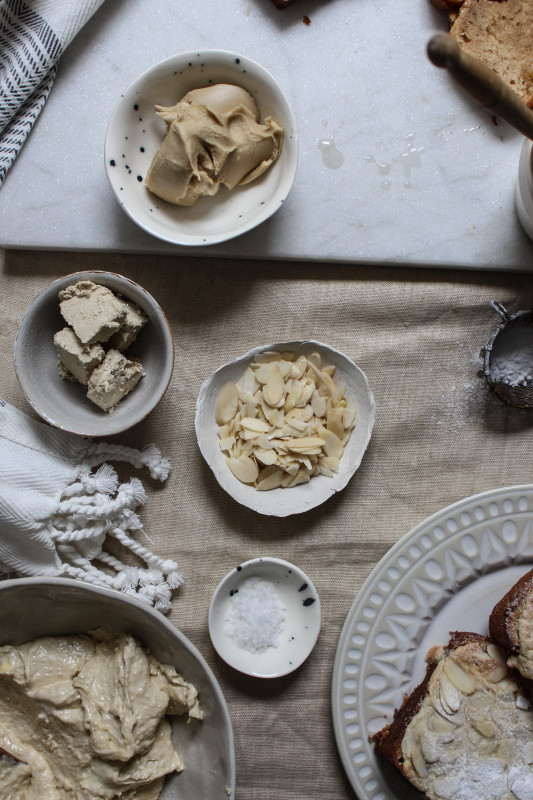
<point x="296" y="597"/>
<point x="135" y="133"/>
<point x="283" y="502"/>
<point x="63" y="403"/>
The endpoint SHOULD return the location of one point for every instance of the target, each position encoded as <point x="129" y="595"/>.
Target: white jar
<point x="524" y="188"/>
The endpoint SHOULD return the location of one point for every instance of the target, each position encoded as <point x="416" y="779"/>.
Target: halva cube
<point x="132" y="323"/>
<point x="113" y="379"/>
<point x="77" y="358"/>
<point x="92" y="310"/>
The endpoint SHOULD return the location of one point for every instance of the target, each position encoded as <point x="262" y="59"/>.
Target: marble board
<point x="396" y="164"/>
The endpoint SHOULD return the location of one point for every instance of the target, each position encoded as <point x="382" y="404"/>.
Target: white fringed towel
<point x="33" y="36"/>
<point x="56" y="509"/>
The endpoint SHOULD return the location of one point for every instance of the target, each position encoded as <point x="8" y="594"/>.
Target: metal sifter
<point x="508" y="357"/>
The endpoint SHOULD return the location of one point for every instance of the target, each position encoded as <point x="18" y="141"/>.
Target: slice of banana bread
<point x="511" y="626"/>
<point x="466" y="731"/>
<point x="499" y="33"/>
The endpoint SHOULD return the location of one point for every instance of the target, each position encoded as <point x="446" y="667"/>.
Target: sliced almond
<point x="253" y="424"/>
<point x="460" y="679"/>
<point x="323" y="378"/>
<point x="269" y="478"/>
<point x="498" y="673"/>
<point x="483" y="725"/>
<point x="266" y="357"/>
<point x="294" y="396"/>
<point x="332" y="444"/>
<point x="305" y="443"/>
<point x="266" y="457"/>
<point x="315" y="360"/>
<point x="274" y="389"/>
<point x="302" y="476"/>
<point x="299" y="367"/>
<point x="335" y="422"/>
<point x="227" y="403"/>
<point x="262" y="372"/>
<point x="338" y="392"/>
<point x="330" y="463"/>
<point x="418" y="763"/>
<point x="495" y="653"/>
<point x="300" y="414"/>
<point x="244" y="469"/>
<point x="227" y="443"/>
<point x="318" y="404"/>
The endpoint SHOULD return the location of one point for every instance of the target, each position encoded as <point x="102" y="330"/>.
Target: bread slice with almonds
<point x="467" y="730"/>
<point x="500" y="34"/>
<point x="511" y="626"/>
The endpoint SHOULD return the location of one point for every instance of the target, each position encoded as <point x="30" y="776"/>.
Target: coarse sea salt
<point x="255" y="616"/>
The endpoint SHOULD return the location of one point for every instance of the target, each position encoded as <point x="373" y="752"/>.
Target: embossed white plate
<point x="445" y="575"/>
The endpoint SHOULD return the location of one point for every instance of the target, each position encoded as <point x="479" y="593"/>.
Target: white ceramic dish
<point x="445" y="575"/>
<point x="135" y="133"/>
<point x="301" y="627"/>
<point x="33" y="607"/>
<point x="283" y="502"/>
<point x="64" y="404"/>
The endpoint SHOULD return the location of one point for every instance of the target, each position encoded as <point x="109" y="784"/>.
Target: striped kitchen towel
<point x="33" y="36"/>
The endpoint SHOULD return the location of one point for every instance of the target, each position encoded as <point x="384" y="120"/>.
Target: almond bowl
<point x="282" y="502"/>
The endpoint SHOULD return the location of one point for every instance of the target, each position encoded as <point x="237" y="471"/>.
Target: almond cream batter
<point x="85" y="718"/>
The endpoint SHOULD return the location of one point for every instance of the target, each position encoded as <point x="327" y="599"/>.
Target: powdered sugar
<point x="255" y="616"/>
<point x="511" y="359"/>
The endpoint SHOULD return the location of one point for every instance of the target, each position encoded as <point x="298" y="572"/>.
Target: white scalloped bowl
<point x="135" y="133"/>
<point x="297" y="499"/>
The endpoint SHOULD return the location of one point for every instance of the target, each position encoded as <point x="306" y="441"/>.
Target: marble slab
<point x="397" y="165"/>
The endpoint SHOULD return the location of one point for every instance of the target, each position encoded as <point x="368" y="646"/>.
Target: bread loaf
<point x="511" y="626"/>
<point x="466" y="731"/>
<point x="499" y="33"/>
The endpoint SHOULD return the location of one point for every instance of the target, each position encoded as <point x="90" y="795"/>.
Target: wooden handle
<point x="481" y="82"/>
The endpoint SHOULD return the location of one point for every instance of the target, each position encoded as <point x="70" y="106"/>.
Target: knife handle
<point x="481" y="82"/>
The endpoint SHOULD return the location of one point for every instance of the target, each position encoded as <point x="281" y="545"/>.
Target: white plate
<point x="445" y="575"/>
<point x="135" y="133"/>
<point x="298" y="596"/>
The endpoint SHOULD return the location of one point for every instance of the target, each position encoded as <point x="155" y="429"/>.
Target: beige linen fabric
<point x="439" y="436"/>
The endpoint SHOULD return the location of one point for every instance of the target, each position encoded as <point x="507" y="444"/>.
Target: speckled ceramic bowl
<point x="135" y="133"/>
<point x="283" y="502"/>
<point x="294" y="593"/>
<point x="64" y="404"/>
<point x="34" y="607"/>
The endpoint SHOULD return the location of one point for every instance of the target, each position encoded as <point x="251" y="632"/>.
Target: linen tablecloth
<point x="440" y="435"/>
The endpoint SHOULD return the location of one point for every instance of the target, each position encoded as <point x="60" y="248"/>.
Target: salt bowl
<point x="264" y="617"/>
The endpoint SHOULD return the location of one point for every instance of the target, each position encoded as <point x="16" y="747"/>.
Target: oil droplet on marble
<point x="409" y="158"/>
<point x="332" y="158"/>
<point x="383" y="168"/>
